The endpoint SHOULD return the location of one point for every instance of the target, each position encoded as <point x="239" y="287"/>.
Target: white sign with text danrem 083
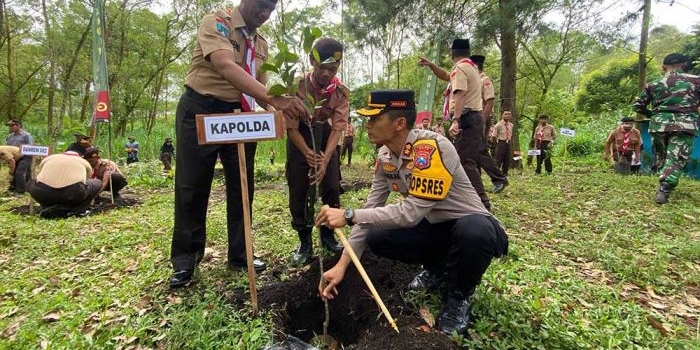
<point x="533" y="152"/>
<point x="32" y="150"/>
<point x="567" y="132"/>
<point x="239" y="127"/>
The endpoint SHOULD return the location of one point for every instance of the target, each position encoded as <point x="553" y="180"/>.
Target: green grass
<point x="593" y="264"/>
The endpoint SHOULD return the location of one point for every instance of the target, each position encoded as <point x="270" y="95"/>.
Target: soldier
<point x="623" y="146"/>
<point x="544" y="140"/>
<point x="132" y="150"/>
<point x="82" y="142"/>
<point x="463" y="106"/>
<point x="23" y="166"/>
<point x="674" y="100"/>
<point x="322" y="84"/>
<point x="100" y="166"/>
<point x="224" y="75"/>
<point x="502" y="133"/>
<point x="441" y="222"/>
<point x="64" y="186"/>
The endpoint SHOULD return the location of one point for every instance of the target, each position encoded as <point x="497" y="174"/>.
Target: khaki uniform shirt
<point x="222" y="31"/>
<point x="617" y="138"/>
<point x="61" y="170"/>
<point x="501" y="133"/>
<point x="487" y="92"/>
<point x="10" y="152"/>
<point x="465" y="77"/>
<point x="404" y="174"/>
<point x="101" y="167"/>
<point x="547" y="133"/>
<point x="335" y="110"/>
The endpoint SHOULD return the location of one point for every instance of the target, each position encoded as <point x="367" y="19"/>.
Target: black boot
<point x="428" y="280"/>
<point x="302" y="255"/>
<point x="663" y="192"/>
<point x="328" y="240"/>
<point x="454" y="317"/>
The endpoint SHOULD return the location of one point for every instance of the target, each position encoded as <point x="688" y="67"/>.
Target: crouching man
<point x="101" y="167"/>
<point x="441" y="222"/>
<point x="64" y="186"/>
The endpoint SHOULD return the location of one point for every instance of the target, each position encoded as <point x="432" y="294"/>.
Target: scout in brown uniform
<point x="348" y="142"/>
<point x="623" y="143"/>
<point x="502" y="133"/>
<point x="100" y="166"/>
<point x="224" y="76"/>
<point x="10" y="154"/>
<point x="441" y="223"/>
<point x="82" y="142"/>
<point x="64" y="185"/>
<point x="544" y="140"/>
<point x="488" y="95"/>
<point x="321" y="84"/>
<point x="463" y="105"/>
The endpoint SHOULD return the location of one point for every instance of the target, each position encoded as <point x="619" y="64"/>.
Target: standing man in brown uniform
<point x="224" y="76"/>
<point x="544" y="140"/>
<point x="463" y="106"/>
<point x="348" y="142"/>
<point x="321" y="84"/>
<point x="624" y="146"/>
<point x="502" y="133"/>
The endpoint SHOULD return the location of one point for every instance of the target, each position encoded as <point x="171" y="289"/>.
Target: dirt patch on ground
<point x="355" y="320"/>
<point x="102" y="204"/>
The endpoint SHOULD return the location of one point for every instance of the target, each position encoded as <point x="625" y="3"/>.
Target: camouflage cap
<point x="675" y="58"/>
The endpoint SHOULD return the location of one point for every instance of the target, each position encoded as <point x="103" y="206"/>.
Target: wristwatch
<point x="349" y="215"/>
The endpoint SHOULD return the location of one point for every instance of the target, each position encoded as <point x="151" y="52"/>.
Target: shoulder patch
<point x="429" y="178"/>
<point x="222" y="27"/>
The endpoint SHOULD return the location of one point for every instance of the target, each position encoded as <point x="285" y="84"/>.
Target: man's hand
<point x="454" y="128"/>
<point x="320" y="171"/>
<point x="290" y="104"/>
<point x="333" y="278"/>
<point x="313" y="159"/>
<point x="424" y="62"/>
<point x="332" y="217"/>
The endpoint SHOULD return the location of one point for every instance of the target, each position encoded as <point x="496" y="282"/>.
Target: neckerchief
<point x="448" y="92"/>
<point x="326" y="91"/>
<point x="625" y="141"/>
<point x="248" y="102"/>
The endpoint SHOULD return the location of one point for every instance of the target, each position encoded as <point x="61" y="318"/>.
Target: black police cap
<point x="460" y="44"/>
<point x="381" y="101"/>
<point x="675" y="58"/>
<point x="478" y="59"/>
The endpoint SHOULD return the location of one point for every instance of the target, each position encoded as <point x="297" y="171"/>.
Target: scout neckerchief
<point x="448" y="91"/>
<point x="507" y="132"/>
<point x="540" y="135"/>
<point x="248" y="102"/>
<point x="625" y="141"/>
<point x="328" y="90"/>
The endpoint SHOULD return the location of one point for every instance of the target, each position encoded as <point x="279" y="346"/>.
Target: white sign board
<point x="32" y="150"/>
<point x="567" y="132"/>
<point x="239" y="127"/>
<point x="533" y="152"/>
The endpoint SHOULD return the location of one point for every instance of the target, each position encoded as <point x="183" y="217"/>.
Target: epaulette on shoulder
<point x="344" y="89"/>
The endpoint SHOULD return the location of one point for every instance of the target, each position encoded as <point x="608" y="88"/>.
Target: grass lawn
<point x="593" y="264"/>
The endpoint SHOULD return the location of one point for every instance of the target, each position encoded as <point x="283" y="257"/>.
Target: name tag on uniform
<point x="429" y="178"/>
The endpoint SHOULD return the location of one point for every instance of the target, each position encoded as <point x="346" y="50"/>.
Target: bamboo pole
<point x="111" y="193"/>
<point x="247" y="226"/>
<point x="363" y="273"/>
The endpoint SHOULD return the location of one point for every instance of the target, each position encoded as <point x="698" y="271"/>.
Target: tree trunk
<point x="506" y="10"/>
<point x="66" y="85"/>
<point x="52" y="72"/>
<point x="643" y="44"/>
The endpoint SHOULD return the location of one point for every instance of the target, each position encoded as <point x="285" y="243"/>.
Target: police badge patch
<point x="423" y="152"/>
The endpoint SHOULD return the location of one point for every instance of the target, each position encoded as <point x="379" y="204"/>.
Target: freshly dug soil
<point x="103" y="203"/>
<point x="356" y="321"/>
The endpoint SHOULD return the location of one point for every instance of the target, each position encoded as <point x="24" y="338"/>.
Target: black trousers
<point x="76" y="197"/>
<point x="22" y="175"/>
<point x="502" y="156"/>
<point x="193" y="180"/>
<point x="297" y="174"/>
<point x="118" y="182"/>
<point x="464" y="247"/>
<point x="469" y="144"/>
<point x="544" y="156"/>
<point x="347" y="147"/>
<point x="166" y="159"/>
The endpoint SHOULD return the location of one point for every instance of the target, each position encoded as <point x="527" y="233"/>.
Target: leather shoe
<point x="428" y="280"/>
<point x="329" y="242"/>
<point x="258" y="265"/>
<point x="181" y="278"/>
<point x="499" y="187"/>
<point x="454" y="316"/>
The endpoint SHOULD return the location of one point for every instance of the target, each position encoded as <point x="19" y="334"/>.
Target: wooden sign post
<point x="240" y="128"/>
<point x="568" y="133"/>
<point x="32" y="150"/>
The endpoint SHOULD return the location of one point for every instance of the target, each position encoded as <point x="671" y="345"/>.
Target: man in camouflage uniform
<point x="674" y="116"/>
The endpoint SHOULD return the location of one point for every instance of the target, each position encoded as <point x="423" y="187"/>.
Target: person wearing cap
<point x="131" y="148"/>
<point x="65" y="185"/>
<point x="441" y="222"/>
<point x="82" y="142"/>
<point x="623" y="146"/>
<point x="502" y="133"/>
<point x="167" y="151"/>
<point x="326" y="125"/>
<point x="674" y="101"/>
<point x="102" y="166"/>
<point x="544" y="141"/>
<point x="224" y="76"/>
<point x="23" y="166"/>
<point x="488" y="95"/>
<point x="348" y="141"/>
<point x="463" y="106"/>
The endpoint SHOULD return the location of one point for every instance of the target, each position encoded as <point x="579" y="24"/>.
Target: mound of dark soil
<point x="356" y="321"/>
<point x="102" y="203"/>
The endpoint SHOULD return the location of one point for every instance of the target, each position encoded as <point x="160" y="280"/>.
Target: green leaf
<point x="310" y="98"/>
<point x="277" y="90"/>
<point x="269" y="67"/>
<point x="320" y="102"/>
<point x="317" y="57"/>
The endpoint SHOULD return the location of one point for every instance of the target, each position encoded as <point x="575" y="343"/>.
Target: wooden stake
<point x="247" y="226"/>
<point x="31" y="199"/>
<point x="368" y="282"/>
<point x="111" y="194"/>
